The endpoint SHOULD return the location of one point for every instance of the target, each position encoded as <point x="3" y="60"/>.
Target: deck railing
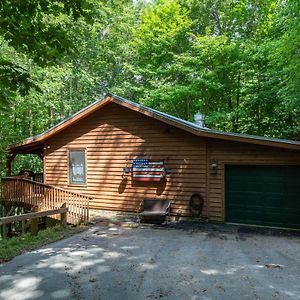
<point x="38" y="177"/>
<point x="20" y="191"/>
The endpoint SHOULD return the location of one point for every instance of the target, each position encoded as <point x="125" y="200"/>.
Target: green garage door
<point x="263" y="195"/>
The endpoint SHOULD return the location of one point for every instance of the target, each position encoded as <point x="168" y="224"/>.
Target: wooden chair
<point x="153" y="210"/>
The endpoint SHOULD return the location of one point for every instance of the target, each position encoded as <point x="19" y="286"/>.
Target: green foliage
<point x="237" y="62"/>
<point x="218" y="57"/>
<point x="42" y="28"/>
<point x="42" y="31"/>
<point x="27" y="242"/>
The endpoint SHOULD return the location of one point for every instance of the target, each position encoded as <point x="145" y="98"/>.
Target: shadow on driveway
<point x="169" y="262"/>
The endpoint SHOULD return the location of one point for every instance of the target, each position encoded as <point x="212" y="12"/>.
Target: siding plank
<point x="114" y="136"/>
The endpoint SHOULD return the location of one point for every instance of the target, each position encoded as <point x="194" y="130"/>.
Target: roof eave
<point x="184" y="125"/>
<point x="215" y="135"/>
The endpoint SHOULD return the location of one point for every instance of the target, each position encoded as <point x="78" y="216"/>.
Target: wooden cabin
<point x="120" y="152"/>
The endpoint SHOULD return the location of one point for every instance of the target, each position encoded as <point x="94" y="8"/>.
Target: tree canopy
<point x="238" y="62"/>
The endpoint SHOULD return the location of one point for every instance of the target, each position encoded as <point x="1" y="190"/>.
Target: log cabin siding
<point x="112" y="137"/>
<point x="231" y="153"/>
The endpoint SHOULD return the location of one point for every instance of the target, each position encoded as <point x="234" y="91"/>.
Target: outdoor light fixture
<point x="214" y="164"/>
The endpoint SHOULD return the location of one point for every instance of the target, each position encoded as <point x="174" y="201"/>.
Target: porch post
<point x="6" y="229"/>
<point x="10" y="158"/>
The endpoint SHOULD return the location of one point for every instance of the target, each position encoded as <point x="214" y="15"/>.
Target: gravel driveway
<point x="113" y="262"/>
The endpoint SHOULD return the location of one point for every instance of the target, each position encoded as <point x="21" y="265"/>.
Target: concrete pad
<point x="115" y="262"/>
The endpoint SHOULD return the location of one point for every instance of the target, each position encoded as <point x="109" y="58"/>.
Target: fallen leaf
<point x="221" y="288"/>
<point x="273" y="266"/>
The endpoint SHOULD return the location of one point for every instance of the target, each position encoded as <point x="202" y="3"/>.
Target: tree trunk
<point x="238" y="95"/>
<point x="50" y="115"/>
<point x="186" y="108"/>
<point x="62" y="104"/>
<point x="30" y="120"/>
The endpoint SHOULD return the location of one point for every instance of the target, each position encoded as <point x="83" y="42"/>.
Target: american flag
<point x="148" y="170"/>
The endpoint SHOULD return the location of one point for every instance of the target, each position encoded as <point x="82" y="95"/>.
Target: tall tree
<point x="39" y="30"/>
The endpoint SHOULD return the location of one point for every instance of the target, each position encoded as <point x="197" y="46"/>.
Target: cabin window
<point x="77" y="167"/>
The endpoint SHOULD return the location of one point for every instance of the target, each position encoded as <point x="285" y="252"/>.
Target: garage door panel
<point x="272" y="217"/>
<point x="248" y="197"/>
<point x="263" y="195"/>
<point x="272" y="200"/>
<point x="293" y="221"/>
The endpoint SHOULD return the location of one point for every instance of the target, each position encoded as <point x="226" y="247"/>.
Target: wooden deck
<point x="42" y="197"/>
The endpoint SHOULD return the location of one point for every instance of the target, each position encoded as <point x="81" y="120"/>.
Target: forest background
<point x="237" y="62"/>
